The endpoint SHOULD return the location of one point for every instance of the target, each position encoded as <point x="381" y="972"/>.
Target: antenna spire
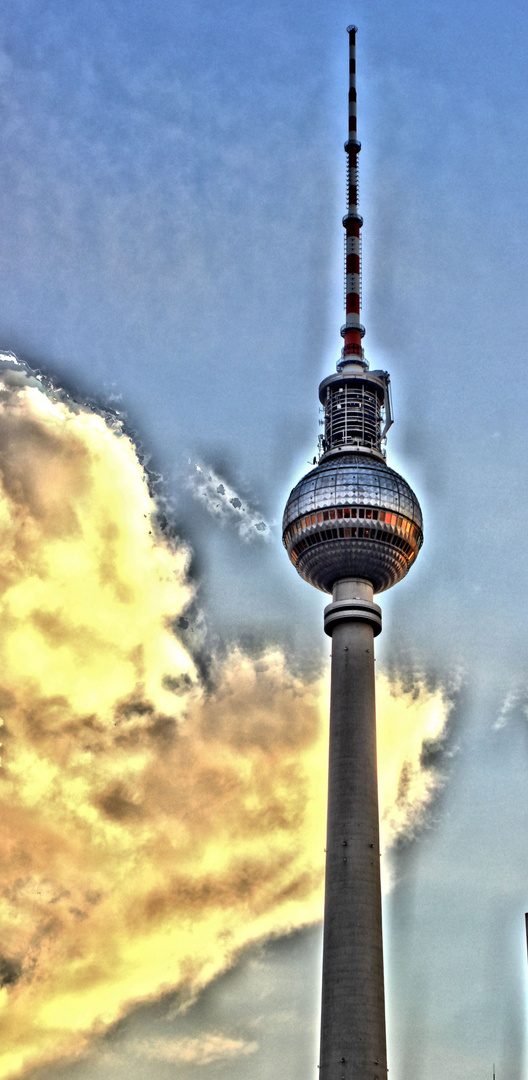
<point x="352" y="331"/>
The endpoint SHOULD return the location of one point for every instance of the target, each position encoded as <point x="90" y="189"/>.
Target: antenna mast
<point x="352" y="331"/>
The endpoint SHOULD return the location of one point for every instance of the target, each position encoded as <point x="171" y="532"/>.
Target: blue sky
<point x="170" y="210"/>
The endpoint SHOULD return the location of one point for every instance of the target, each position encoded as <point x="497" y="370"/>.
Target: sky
<point x="171" y="266"/>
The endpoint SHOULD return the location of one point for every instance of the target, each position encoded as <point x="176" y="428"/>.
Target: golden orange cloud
<point x="151" y="826"/>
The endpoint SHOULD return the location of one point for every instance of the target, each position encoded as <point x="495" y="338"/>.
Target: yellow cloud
<point x="411" y="723"/>
<point x="151" y="826"/>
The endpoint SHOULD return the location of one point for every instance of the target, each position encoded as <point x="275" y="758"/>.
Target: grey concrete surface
<point x="353" y="1042"/>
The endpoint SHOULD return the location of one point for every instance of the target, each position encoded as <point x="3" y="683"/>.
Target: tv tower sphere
<point x="353" y="527"/>
<point x="352" y="517"/>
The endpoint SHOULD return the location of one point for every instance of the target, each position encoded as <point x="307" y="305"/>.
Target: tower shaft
<point x="353" y="1043"/>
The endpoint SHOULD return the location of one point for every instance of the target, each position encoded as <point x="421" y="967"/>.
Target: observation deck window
<point x="404" y="534"/>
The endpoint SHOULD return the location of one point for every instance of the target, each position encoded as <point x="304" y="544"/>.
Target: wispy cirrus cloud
<point x="196" y="1051"/>
<point x="225" y="504"/>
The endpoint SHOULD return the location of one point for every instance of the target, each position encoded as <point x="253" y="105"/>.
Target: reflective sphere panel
<point x="352" y="516"/>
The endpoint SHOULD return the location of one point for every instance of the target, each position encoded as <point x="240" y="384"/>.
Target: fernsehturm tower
<point x="353" y="527"/>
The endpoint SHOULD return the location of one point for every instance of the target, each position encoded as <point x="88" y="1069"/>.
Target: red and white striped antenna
<point x="352" y="331"/>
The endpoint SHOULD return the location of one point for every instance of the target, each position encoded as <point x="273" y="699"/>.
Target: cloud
<point x="224" y="504"/>
<point x="151" y="825"/>
<point x="412" y="752"/>
<point x="202" y="1051"/>
<point x="514" y="701"/>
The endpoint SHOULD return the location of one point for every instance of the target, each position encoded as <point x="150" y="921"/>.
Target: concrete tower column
<point x="353" y="1043"/>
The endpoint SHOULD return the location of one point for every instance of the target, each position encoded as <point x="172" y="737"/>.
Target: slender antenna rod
<point x="352" y="331"/>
